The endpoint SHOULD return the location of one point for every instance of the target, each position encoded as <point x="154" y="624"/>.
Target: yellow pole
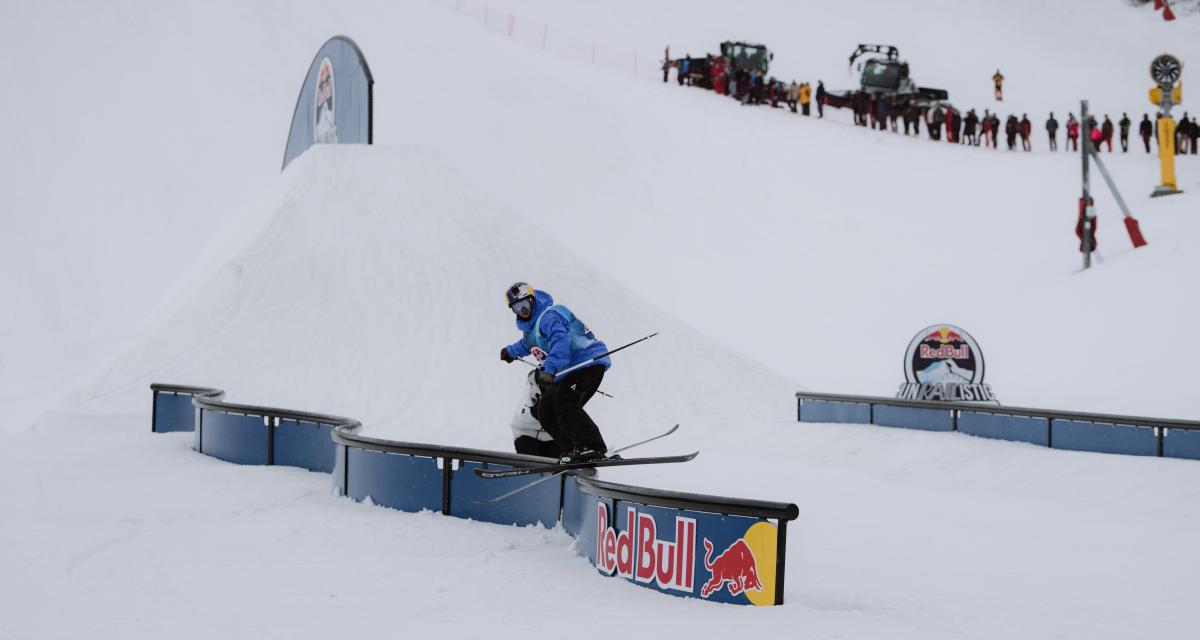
<point x="1166" y="152"/>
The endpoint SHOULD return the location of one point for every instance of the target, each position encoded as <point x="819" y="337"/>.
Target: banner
<point x="334" y="106"/>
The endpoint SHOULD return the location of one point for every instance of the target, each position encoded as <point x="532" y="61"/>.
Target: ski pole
<point x="603" y="355"/>
<point x="535" y="366"/>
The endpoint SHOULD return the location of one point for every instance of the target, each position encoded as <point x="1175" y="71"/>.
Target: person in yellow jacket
<point x="805" y="97"/>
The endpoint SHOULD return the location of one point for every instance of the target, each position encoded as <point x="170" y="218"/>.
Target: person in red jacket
<point x="717" y="69"/>
<point x="1072" y="133"/>
<point x="950" y="125"/>
<point x="1026" y="129"/>
<point x="1097" y="134"/>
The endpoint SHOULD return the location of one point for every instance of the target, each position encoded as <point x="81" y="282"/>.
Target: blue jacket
<point x="555" y="330"/>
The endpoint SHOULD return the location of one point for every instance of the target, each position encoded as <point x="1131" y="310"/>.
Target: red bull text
<point x="944" y="352"/>
<point x="637" y="553"/>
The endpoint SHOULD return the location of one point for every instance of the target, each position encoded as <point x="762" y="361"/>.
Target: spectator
<point x="1183" y="135"/>
<point x="805" y="97"/>
<point x="1124" y="124"/>
<point x="1052" y="129"/>
<point x="1026" y="130"/>
<point x="969" y="125"/>
<point x="1097" y="135"/>
<point x="1010" y="132"/>
<point x="719" y="76"/>
<point x="995" y="130"/>
<point x="998" y="80"/>
<point x="987" y="129"/>
<point x="958" y="125"/>
<point x="820" y="99"/>
<point x="683" y="69"/>
<point x="936" y="117"/>
<point x="1194" y="135"/>
<point x="1106" y="131"/>
<point x="950" y="133"/>
<point x="1072" y="133"/>
<point x="1145" y="129"/>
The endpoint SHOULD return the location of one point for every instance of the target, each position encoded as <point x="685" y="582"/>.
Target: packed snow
<point x="149" y="237"/>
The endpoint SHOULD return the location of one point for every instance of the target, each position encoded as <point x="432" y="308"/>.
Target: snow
<point x="149" y="237"/>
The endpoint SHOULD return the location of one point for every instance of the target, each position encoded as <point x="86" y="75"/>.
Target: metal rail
<point x="1053" y="414"/>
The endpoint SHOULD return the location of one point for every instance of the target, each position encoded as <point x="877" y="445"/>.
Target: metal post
<point x="1085" y="225"/>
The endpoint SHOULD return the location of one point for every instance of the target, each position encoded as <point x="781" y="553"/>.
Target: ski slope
<point x="150" y="237"/>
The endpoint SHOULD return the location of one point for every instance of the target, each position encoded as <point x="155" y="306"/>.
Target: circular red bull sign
<point x="943" y="362"/>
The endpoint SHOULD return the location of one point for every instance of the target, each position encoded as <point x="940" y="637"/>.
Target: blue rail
<point x="709" y="547"/>
<point x="1075" y="431"/>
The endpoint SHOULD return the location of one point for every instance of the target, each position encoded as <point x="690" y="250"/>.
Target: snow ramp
<point x="370" y="284"/>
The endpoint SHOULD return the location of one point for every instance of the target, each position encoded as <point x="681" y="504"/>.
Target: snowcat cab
<point x="888" y="75"/>
<point x="742" y="55"/>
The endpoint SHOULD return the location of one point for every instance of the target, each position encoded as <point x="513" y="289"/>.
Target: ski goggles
<point x="522" y="307"/>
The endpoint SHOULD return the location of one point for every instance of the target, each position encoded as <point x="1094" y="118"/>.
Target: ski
<point x="571" y="466"/>
<point x="559" y="473"/>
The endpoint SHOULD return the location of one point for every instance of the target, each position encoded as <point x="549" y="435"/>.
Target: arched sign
<point x="334" y="106"/>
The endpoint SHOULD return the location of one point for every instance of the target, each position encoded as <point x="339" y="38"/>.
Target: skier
<point x="1106" y="132"/>
<point x="998" y="79"/>
<point x="1026" y="130"/>
<point x="1124" y="124"/>
<point x="1145" y="129"/>
<point x="1052" y="129"/>
<point x="820" y="99"/>
<point x="566" y="341"/>
<point x="1072" y="133"/>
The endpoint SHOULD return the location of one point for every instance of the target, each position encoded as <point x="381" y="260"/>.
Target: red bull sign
<point x="658" y="548"/>
<point x="943" y="362"/>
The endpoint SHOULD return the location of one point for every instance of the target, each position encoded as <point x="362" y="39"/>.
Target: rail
<point x="415" y="476"/>
<point x="1058" y="429"/>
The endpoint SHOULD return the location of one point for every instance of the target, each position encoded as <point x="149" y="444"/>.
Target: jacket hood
<point x="541" y="301"/>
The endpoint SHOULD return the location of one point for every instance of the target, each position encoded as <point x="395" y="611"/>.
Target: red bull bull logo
<point x="636" y="553"/>
<point x="735" y="566"/>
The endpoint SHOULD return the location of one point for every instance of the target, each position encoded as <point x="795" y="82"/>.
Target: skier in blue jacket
<point x="560" y="340"/>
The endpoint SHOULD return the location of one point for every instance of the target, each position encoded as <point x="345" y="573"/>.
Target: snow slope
<point x="811" y="227"/>
<point x="373" y="287"/>
<point x="365" y="282"/>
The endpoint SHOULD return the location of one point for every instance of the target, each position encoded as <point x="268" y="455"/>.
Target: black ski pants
<point x="561" y="413"/>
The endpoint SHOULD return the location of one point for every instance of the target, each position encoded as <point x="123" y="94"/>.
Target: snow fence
<point x="1074" y="431"/>
<point x="709" y="547"/>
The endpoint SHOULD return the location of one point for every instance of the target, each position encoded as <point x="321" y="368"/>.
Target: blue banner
<point x="334" y="106"/>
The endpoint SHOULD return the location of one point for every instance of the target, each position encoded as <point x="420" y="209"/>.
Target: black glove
<point x="504" y="355"/>
<point x="544" y="378"/>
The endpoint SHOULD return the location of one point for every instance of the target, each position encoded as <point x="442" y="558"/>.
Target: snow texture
<point x="148" y="237"/>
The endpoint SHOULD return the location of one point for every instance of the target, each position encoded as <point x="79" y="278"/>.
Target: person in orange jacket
<point x="805" y="97"/>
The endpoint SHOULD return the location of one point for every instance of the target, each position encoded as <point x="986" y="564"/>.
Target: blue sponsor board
<point x="721" y="558"/>
<point x="173" y="412"/>
<point x="334" y="106"/>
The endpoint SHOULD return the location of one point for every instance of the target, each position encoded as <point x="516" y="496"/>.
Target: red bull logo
<point x="735" y="566"/>
<point x="944" y="351"/>
<point x="636" y="553"/>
